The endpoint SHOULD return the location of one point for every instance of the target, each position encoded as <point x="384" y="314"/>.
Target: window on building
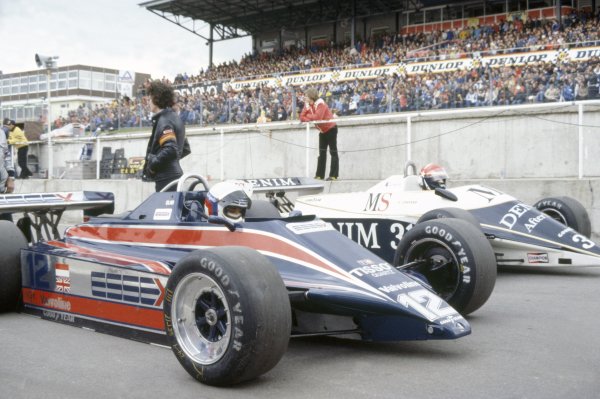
<point x="5" y="83"/>
<point x="110" y="82"/>
<point x="85" y="80"/>
<point x="73" y="81"/>
<point x="97" y="81"/>
<point x="53" y="80"/>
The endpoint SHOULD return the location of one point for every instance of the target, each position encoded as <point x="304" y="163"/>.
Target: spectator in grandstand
<point x="167" y="143"/>
<point x="552" y="93"/>
<point x="18" y="139"/>
<point x="315" y="109"/>
<point x="281" y="113"/>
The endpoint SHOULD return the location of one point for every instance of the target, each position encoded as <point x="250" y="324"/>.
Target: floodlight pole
<point x="49" y="115"/>
<point x="49" y="63"/>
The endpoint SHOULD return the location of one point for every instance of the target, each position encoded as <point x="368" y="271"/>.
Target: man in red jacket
<point x="315" y="109"/>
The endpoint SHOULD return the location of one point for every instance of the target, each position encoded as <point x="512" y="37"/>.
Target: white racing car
<point x="387" y="219"/>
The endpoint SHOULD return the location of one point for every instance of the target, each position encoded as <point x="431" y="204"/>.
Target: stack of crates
<point x="106" y="163"/>
<point x="119" y="166"/>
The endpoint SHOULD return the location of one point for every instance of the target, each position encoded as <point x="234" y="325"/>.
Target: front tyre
<point x="227" y="315"/>
<point x="453" y="257"/>
<point x="568" y="211"/>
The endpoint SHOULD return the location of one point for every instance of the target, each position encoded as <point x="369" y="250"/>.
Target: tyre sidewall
<point x="448" y="233"/>
<point x="11" y="243"/>
<point x="237" y="363"/>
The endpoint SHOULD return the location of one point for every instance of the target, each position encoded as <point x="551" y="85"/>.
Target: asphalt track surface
<point x="537" y="337"/>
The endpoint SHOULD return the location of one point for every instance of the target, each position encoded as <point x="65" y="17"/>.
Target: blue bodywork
<point x="334" y="284"/>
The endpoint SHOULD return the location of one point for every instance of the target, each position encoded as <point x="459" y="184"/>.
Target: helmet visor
<point x="234" y="212"/>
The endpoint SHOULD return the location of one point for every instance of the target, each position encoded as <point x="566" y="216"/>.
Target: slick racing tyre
<point x="567" y="211"/>
<point x="453" y="257"/>
<point x="11" y="243"/>
<point x="453" y="213"/>
<point x="227" y="315"/>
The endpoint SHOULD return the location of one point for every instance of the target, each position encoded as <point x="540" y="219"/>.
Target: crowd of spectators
<point x="546" y="82"/>
<point x="513" y="35"/>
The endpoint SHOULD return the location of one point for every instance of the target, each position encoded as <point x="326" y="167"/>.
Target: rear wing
<point x="275" y="189"/>
<point x="47" y="208"/>
<point x="102" y="202"/>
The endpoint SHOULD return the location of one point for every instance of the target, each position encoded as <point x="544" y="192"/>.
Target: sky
<point x="117" y="34"/>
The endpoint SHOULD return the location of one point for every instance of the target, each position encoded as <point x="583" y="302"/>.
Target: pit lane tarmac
<point x="537" y="337"/>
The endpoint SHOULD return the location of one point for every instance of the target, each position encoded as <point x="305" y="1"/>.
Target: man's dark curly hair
<point x="162" y="94"/>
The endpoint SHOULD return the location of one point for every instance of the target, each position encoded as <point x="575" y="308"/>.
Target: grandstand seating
<point x="205" y="98"/>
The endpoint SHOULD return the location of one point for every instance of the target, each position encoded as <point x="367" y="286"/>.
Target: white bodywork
<point x="401" y="198"/>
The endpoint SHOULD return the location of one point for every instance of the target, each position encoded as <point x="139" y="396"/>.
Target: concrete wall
<point x="538" y="141"/>
<point x="529" y="151"/>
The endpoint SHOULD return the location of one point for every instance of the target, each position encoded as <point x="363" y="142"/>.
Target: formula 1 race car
<point x="390" y="219"/>
<point x="226" y="297"/>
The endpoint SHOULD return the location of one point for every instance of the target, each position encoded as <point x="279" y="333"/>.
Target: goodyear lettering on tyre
<point x="169" y="324"/>
<point x="237" y="313"/>
<point x="461" y="253"/>
<point x="211" y="266"/>
<point x="237" y="319"/>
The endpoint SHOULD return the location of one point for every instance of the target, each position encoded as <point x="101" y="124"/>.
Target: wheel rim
<point x="201" y="320"/>
<point x="559" y="217"/>
<point x="435" y="262"/>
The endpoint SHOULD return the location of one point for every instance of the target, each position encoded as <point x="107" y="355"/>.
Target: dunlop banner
<point x="402" y="69"/>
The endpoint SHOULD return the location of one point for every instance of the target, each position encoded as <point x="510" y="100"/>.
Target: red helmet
<point x="433" y="176"/>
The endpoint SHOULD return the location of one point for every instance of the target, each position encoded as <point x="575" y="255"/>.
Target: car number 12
<point x="426" y="303"/>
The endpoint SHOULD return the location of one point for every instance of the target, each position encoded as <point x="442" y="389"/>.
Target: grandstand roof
<point x="237" y="18"/>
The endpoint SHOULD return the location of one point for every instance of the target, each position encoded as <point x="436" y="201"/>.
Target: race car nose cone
<point x="450" y="327"/>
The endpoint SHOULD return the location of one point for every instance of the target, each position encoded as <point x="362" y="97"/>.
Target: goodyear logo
<point x="128" y="289"/>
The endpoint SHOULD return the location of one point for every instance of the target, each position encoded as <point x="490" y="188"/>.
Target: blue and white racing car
<point x="391" y="220"/>
<point x="227" y="297"/>
<point x="553" y="232"/>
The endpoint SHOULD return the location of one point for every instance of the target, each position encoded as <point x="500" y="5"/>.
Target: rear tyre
<point x="227" y="315"/>
<point x="11" y="243"/>
<point x="451" y="213"/>
<point x="454" y="258"/>
<point x="567" y="211"/>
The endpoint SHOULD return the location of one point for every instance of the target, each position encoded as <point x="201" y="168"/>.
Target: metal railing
<point x="407" y="119"/>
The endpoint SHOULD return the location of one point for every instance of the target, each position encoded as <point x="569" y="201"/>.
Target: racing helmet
<point x="433" y="176"/>
<point x="229" y="200"/>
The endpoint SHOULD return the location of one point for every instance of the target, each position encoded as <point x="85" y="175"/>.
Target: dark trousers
<point x="160" y="184"/>
<point x="22" y="161"/>
<point x="328" y="139"/>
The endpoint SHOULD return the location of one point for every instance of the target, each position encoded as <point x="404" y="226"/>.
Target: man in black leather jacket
<point x="166" y="144"/>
